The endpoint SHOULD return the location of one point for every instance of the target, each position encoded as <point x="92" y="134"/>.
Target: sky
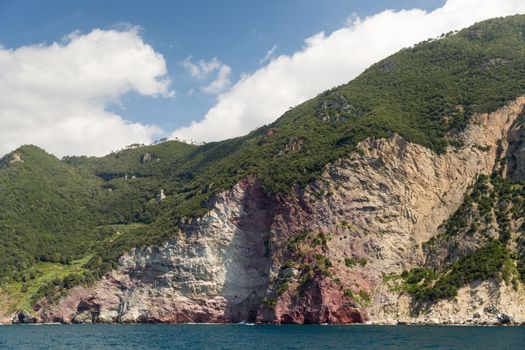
<point x="90" y="77"/>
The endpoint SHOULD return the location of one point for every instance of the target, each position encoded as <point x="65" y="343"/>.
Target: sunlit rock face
<point x="316" y="255"/>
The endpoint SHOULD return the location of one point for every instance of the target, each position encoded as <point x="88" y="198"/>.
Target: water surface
<point x="151" y="336"/>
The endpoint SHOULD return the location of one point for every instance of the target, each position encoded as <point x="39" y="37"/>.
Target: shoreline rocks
<point x="24" y="317"/>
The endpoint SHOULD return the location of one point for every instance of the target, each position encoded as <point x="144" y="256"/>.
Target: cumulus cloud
<point x="56" y="96"/>
<point x="202" y="69"/>
<point x="330" y="60"/>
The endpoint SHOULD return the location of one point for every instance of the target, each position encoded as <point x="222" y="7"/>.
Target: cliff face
<point x="316" y="255"/>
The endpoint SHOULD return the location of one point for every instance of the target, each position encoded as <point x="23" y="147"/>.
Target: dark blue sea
<point x="80" y="337"/>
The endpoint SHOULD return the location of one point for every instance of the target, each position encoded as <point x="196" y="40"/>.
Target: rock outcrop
<point x="10" y="159"/>
<point x="317" y="255"/>
<point x="481" y="302"/>
<point x="23" y="317"/>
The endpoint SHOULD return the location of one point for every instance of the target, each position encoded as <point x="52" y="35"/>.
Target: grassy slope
<point x="426" y="94"/>
<point x="18" y="295"/>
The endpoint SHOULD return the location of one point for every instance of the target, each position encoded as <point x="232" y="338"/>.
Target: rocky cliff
<point x="397" y="197"/>
<point x="328" y="253"/>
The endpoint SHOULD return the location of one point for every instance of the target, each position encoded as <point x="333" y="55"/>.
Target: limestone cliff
<point x="316" y="255"/>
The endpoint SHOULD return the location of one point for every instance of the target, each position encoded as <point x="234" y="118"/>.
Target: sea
<point x="247" y="336"/>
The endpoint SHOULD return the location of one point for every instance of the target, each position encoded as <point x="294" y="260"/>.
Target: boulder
<point x="23" y="317"/>
<point x="505" y="319"/>
<point x="83" y="317"/>
<point x="88" y="311"/>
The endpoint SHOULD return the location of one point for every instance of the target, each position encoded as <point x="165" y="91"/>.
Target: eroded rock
<point x="24" y="317"/>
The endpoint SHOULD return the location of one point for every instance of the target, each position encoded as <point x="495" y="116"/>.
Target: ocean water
<point x="151" y="336"/>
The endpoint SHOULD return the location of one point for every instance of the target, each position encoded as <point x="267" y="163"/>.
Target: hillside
<point x="426" y="94"/>
<point x="430" y="96"/>
<point x="48" y="210"/>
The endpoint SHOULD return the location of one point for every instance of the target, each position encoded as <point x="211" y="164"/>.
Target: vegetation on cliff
<point x="483" y="240"/>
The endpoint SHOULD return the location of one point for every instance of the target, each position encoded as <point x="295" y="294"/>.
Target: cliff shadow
<point x="249" y="261"/>
<point x="515" y="154"/>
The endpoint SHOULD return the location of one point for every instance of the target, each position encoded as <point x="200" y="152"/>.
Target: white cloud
<point x="330" y="60"/>
<point x="269" y="55"/>
<point x="221" y="82"/>
<point x="204" y="68"/>
<point x="56" y="96"/>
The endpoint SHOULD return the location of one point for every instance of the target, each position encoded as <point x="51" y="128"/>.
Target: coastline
<point x="368" y="323"/>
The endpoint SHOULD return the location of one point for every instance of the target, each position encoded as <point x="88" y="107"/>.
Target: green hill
<point x="48" y="209"/>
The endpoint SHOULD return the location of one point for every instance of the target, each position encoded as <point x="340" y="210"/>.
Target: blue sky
<point x="89" y="77"/>
<point x="237" y="32"/>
